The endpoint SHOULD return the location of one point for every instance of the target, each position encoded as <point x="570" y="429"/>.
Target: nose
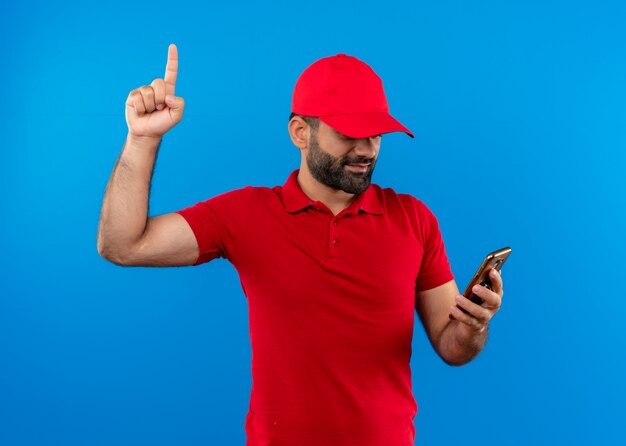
<point x="366" y="147"/>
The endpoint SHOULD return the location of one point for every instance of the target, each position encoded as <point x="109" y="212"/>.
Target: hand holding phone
<point x="493" y="260"/>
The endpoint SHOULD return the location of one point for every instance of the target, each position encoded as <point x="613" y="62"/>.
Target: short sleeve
<point x="435" y="268"/>
<point x="214" y="223"/>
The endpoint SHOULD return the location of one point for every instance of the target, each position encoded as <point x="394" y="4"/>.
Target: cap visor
<point x="363" y="125"/>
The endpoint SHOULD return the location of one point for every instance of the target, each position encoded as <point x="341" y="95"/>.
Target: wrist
<point x="143" y="141"/>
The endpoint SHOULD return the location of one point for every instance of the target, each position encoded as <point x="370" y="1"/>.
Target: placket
<point x="334" y="236"/>
<point x="336" y="224"/>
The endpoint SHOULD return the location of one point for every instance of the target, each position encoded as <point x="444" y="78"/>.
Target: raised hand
<point x="152" y="110"/>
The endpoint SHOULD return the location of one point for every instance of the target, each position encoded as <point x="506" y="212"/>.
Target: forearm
<point x="124" y="212"/>
<point x="459" y="344"/>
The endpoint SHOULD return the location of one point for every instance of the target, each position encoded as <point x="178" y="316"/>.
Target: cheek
<point x="339" y="151"/>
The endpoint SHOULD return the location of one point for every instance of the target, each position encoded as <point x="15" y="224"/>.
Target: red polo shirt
<point x="331" y="303"/>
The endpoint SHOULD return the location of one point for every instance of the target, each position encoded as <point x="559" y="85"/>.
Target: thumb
<point x="176" y="105"/>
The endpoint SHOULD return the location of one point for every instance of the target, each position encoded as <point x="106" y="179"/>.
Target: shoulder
<point x="411" y="204"/>
<point x="420" y="216"/>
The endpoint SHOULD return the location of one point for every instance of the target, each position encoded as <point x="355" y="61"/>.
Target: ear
<point x="299" y="132"/>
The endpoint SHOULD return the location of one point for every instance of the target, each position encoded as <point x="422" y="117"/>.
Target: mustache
<point x="358" y="161"/>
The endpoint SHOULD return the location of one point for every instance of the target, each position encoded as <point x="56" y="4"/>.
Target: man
<point x="332" y="265"/>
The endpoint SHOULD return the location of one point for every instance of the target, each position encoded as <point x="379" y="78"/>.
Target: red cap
<point x="346" y="94"/>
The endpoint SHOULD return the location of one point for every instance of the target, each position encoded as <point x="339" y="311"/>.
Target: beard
<point x="331" y="171"/>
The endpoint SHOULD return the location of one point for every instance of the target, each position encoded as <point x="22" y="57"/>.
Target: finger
<point x="177" y="105"/>
<point x="473" y="309"/>
<point x="158" y="85"/>
<point x="465" y="318"/>
<point x="171" y="70"/>
<point x="135" y="100"/>
<point x="490" y="298"/>
<point x="496" y="280"/>
<point x="148" y="97"/>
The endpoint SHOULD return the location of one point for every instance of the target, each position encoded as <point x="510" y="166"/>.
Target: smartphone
<point x="493" y="260"/>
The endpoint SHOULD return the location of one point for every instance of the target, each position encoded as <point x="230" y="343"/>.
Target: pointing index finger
<point x="171" y="69"/>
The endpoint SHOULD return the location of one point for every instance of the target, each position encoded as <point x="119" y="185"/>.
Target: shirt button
<point x="335" y="242"/>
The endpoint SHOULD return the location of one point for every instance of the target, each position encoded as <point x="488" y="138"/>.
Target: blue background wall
<point x="519" y="111"/>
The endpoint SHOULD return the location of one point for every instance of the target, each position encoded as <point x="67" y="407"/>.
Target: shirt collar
<point x="294" y="198"/>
